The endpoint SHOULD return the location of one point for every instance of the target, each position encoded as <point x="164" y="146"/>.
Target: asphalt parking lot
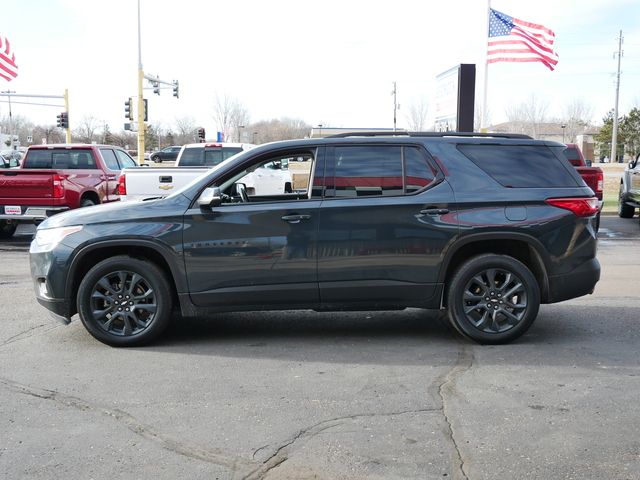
<point x="304" y="395"/>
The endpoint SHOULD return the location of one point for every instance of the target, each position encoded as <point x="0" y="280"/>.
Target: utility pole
<point x="141" y="125"/>
<point x="9" y="92"/>
<point x="66" y="109"/>
<point x="614" y="136"/>
<point x="395" y="105"/>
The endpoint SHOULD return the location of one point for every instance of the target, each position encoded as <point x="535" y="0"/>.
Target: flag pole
<point x="483" y="126"/>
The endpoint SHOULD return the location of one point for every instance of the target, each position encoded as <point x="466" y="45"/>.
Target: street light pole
<point x="9" y="92"/>
<point x="563" y="126"/>
<point x="141" y="125"/>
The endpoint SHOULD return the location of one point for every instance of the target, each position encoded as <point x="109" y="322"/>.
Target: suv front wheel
<point x="124" y="301"/>
<point x="493" y="299"/>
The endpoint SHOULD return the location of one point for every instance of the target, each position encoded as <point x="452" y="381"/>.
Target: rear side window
<point x="192" y="157"/>
<point x="110" y="159"/>
<point x="521" y="166"/>
<point x="61" y="159"/>
<point x="124" y="159"/>
<point x="377" y="170"/>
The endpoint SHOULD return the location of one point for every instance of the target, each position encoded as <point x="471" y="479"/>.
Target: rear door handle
<point x="434" y="211"/>
<point x="295" y="218"/>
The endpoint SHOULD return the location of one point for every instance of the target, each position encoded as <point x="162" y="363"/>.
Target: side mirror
<point x="210" y="197"/>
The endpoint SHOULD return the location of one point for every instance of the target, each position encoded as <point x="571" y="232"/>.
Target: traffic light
<point x="146" y="116"/>
<point x="128" y="113"/>
<point x="200" y="134"/>
<point x="63" y="120"/>
<point x="175" y="88"/>
<point x="156" y="88"/>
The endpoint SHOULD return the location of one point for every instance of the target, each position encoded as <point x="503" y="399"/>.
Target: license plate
<point x="12" y="210"/>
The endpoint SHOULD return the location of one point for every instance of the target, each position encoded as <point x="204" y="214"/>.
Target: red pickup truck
<point x="592" y="176"/>
<point x="55" y="178"/>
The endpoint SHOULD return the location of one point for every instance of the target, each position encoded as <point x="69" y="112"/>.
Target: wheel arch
<point x="521" y="247"/>
<point x="90" y="195"/>
<point x="140" y="249"/>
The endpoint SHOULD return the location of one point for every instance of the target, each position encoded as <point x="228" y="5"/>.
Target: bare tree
<point x="417" y="116"/>
<point x="185" y="130"/>
<point x="87" y="129"/>
<point x="230" y="115"/>
<point x="527" y="116"/>
<point x="278" y="129"/>
<point x="577" y="117"/>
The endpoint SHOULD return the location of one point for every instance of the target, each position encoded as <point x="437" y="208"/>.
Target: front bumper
<point x="49" y="275"/>
<point x="577" y="283"/>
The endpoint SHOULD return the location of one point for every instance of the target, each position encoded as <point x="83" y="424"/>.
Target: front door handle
<point x="295" y="218"/>
<point x="434" y="211"/>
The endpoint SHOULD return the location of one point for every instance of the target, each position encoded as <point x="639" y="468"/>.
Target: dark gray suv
<point x="487" y="227"/>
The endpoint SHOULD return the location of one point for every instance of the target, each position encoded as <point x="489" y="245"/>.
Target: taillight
<point x="600" y="185"/>
<point x="58" y="185"/>
<point x="582" y="207"/>
<point x="122" y="185"/>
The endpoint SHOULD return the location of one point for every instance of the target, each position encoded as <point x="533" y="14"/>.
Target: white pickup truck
<point x="195" y="159"/>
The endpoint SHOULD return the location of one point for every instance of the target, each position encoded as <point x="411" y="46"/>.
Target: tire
<point x="598" y="222"/>
<point x="156" y="159"/>
<point x="7" y="229"/>
<point x="124" y="301"/>
<point x="87" y="202"/>
<point x="512" y="305"/>
<point x="624" y="210"/>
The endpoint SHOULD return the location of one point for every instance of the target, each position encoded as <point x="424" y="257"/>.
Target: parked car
<point x="56" y="178"/>
<point x="167" y="153"/>
<point x="193" y="160"/>
<point x="486" y="226"/>
<point x="629" y="193"/>
<point x="592" y="176"/>
<point x="9" y="162"/>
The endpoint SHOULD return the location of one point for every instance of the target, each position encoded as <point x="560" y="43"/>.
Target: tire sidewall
<point x="156" y="279"/>
<point x="471" y="268"/>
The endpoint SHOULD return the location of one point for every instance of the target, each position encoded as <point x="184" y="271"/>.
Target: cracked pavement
<point x="304" y="395"/>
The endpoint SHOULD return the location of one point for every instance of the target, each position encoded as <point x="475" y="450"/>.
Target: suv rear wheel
<point x="493" y="299"/>
<point x="124" y="301"/>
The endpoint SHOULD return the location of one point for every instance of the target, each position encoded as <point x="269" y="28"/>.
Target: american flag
<point x="8" y="67"/>
<point x="514" y="40"/>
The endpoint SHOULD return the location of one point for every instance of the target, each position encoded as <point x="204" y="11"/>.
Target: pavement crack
<point x="42" y="328"/>
<point x="214" y="456"/>
<point x="442" y="390"/>
<point x="281" y="453"/>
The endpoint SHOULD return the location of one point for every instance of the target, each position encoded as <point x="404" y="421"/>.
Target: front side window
<point x="282" y="177"/>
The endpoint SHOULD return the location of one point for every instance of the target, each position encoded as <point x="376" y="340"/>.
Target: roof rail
<point x="428" y="134"/>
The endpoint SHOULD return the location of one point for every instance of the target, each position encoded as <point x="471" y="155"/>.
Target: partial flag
<point x="8" y="67"/>
<point x="514" y="40"/>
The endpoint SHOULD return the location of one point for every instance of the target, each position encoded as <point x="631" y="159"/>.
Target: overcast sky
<point x="325" y="62"/>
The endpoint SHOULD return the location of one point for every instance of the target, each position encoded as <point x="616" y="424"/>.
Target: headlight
<point x="47" y="239"/>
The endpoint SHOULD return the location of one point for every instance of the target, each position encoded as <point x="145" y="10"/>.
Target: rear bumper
<point x="32" y="213"/>
<point x="579" y="282"/>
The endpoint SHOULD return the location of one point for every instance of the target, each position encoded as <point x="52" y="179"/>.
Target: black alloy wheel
<point x="493" y="299"/>
<point x="124" y="301"/>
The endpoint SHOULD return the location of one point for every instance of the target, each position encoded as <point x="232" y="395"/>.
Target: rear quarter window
<point x="522" y="166"/>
